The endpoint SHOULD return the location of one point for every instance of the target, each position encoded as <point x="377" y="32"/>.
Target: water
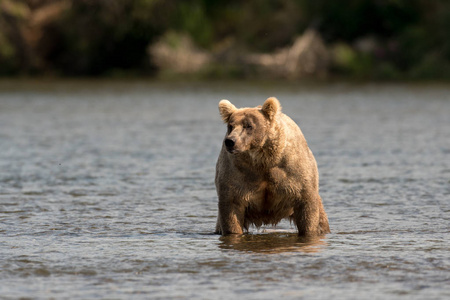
<point x="106" y="191"/>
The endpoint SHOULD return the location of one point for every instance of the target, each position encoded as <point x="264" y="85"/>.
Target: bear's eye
<point x="230" y="128"/>
<point x="248" y="126"/>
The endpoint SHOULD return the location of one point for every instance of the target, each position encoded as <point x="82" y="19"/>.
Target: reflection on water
<point x="274" y="242"/>
<point x="107" y="191"/>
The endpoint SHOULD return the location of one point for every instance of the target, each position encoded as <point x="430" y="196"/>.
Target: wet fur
<point x="270" y="175"/>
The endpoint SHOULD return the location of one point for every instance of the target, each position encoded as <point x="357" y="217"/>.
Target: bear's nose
<point x="229" y="143"/>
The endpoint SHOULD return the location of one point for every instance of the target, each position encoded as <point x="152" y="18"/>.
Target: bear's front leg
<point x="218" y="227"/>
<point x="231" y="218"/>
<point x="307" y="216"/>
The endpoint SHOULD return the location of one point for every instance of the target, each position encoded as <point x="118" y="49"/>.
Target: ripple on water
<point x="107" y="190"/>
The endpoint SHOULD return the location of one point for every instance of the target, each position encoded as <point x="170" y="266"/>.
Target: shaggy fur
<point x="266" y="172"/>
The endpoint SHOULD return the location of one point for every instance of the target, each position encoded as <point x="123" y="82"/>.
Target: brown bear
<point x="266" y="172"/>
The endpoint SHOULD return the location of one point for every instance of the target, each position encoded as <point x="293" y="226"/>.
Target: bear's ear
<point x="226" y="109"/>
<point x="271" y="107"/>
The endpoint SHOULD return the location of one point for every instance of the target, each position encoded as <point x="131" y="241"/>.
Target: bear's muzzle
<point x="229" y="144"/>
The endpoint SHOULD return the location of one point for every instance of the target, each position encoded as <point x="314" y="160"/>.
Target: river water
<point x="107" y="191"/>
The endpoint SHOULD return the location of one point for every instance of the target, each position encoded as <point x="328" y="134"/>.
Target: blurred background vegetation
<point x="363" y="39"/>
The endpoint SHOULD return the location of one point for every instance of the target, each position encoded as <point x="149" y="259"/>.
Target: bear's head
<point x="248" y="128"/>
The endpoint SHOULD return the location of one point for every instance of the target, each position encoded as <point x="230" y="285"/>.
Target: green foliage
<point x="431" y="66"/>
<point x="192" y="18"/>
<point x="413" y="36"/>
<point x="7" y="50"/>
<point x="98" y="37"/>
<point x="349" y="20"/>
<point x="351" y="62"/>
<point x="8" y="56"/>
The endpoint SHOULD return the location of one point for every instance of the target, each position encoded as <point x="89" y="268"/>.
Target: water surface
<point x="107" y="191"/>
